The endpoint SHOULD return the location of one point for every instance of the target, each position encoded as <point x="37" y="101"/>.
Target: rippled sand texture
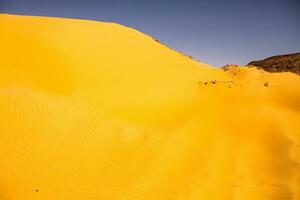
<point x="92" y="110"/>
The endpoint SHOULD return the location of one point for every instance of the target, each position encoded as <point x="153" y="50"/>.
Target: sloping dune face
<point x="92" y="110"/>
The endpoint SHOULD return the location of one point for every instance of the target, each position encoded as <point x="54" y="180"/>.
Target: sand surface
<point x="99" y="111"/>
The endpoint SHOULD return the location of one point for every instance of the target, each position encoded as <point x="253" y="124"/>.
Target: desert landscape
<point x="94" y="110"/>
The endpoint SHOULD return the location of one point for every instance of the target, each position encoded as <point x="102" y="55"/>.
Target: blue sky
<point x="217" y="32"/>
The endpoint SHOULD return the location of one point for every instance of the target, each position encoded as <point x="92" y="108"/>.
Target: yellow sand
<point x="98" y="111"/>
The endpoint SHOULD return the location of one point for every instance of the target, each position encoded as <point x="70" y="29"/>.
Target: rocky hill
<point x="280" y="63"/>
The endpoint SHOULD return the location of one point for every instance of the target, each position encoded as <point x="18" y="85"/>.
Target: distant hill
<point x="280" y="63"/>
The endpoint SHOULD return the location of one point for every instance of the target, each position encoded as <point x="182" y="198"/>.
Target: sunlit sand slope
<point x="92" y="110"/>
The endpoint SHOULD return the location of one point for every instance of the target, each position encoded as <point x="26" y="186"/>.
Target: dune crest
<point x="93" y="110"/>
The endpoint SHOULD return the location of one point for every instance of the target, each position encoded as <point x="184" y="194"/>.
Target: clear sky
<point x="217" y="32"/>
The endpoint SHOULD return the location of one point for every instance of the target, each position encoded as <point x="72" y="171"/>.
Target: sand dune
<point x="93" y="110"/>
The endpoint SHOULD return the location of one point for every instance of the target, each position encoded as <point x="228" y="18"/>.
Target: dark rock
<point x="281" y="63"/>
